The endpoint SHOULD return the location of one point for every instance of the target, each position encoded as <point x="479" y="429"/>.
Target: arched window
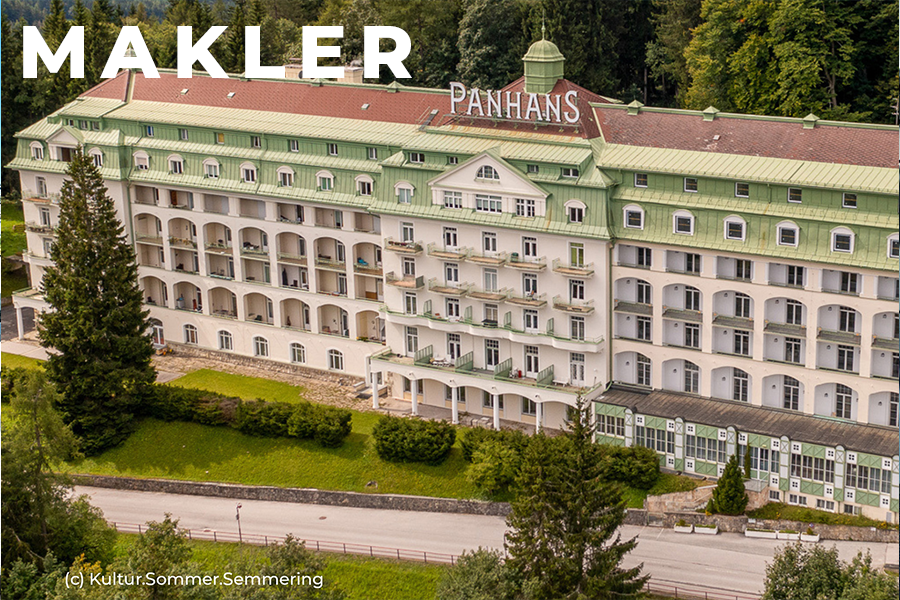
<point x="96" y="157"/>
<point x="692" y="298"/>
<point x="324" y="181"/>
<point x="211" y="168"/>
<point x="37" y="151"/>
<point x="226" y="341"/>
<point x="843" y="401"/>
<point x="285" y="176"/>
<point x="141" y="161"/>
<point x="691" y="378"/>
<point x="364" y="185"/>
<point x="735" y="228"/>
<point x="683" y="222"/>
<point x="488" y="172"/>
<point x="298" y="353"/>
<point x="842" y="240"/>
<point x="260" y="346"/>
<point x="643" y="370"/>
<point x="176" y="164"/>
<point x="575" y="210"/>
<point x="633" y="216"/>
<point x="248" y="172"/>
<point x="741" y="385"/>
<point x="190" y="335"/>
<point x="791" y="399"/>
<point x="335" y="360"/>
<point x="404" y="192"/>
<point x="788" y="234"/>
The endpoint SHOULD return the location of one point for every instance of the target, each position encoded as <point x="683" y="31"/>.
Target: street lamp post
<point x="237" y="516"/>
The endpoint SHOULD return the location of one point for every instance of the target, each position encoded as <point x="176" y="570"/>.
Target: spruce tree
<point x="729" y="497"/>
<point x="563" y="540"/>
<point x="96" y="324"/>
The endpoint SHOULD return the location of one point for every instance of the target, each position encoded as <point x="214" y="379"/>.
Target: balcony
<point x="407" y="282"/>
<point x="788" y="329"/>
<point x="442" y="253"/>
<point x="39" y="227"/>
<point x="491" y="259"/>
<point x="573" y="270"/>
<point x="406" y="248"/>
<point x="292" y="259"/>
<point x="582" y="307"/>
<point x="529" y="300"/>
<point x="732" y="322"/>
<point x="144" y="238"/>
<point x="883" y="343"/>
<point x="634" y="308"/>
<point x="31" y="196"/>
<point x="251" y="250"/>
<point x="490" y="295"/>
<point x="678" y="314"/>
<point x="177" y="242"/>
<point x="220" y="248"/>
<point x="364" y="268"/>
<point x="447" y="289"/>
<point x="529" y="263"/>
<point x="329" y="264"/>
<point x="837" y="290"/>
<point x="839" y="337"/>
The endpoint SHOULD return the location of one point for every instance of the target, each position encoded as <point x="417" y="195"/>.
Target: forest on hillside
<point x="835" y="58"/>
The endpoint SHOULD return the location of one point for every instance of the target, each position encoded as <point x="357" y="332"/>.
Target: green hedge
<point x="510" y="438"/>
<point x="325" y="424"/>
<point x="413" y="440"/>
<point x="635" y="466"/>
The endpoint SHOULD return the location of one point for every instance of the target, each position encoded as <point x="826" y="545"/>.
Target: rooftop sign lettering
<point x="521" y="106"/>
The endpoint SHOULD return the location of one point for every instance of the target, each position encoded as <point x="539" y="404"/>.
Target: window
<point x="487" y="400"/>
<point x="740" y="386"/>
<point x="690" y="184"/>
<point x="489" y="241"/>
<point x="796" y="275"/>
<point x="843" y="401"/>
<point x="190" y="335"/>
<point x="412" y="340"/>
<point x="734" y="229"/>
<point x="488" y="204"/>
<point x="294" y="145"/>
<point x="298" y="353"/>
<point x="849" y="201"/>
<point x="176" y="166"/>
<point x="148" y="130"/>
<point x="529" y="284"/>
<point x="525" y="207"/>
<point x="410" y="303"/>
<point x="794" y="313"/>
<point x="325" y="181"/>
<point x="404" y="194"/>
<point x="212" y="170"/>
<point x="226" y="342"/>
<point x="825" y="504"/>
<point x="248" y="173"/>
<point x="532" y="169"/>
<point x="847" y="319"/>
<point x="220" y="138"/>
<point x="44" y="213"/>
<point x="841" y="241"/>
<point x="894" y="247"/>
<point x="260" y="346"/>
<point x="576" y="214"/>
<point x="576" y="289"/>
<point x="335" y="360"/>
<point x="576" y="255"/>
<point x="576" y="328"/>
<point x="451" y="274"/>
<point x="452" y="308"/>
<point x="488" y="172"/>
<point x="845" y="357"/>
<point x="742" y="343"/>
<point x="529" y="408"/>
<point x="529" y="247"/>
<point x="286" y="179"/>
<point x="569" y="173"/>
<point x="892" y="414"/>
<point x="742" y="190"/>
<point x="490" y="280"/>
<point x="692" y="335"/>
<point x="791" y="396"/>
<point x="634" y="217"/>
<point x="365" y="187"/>
<point x="37" y="152"/>
<point x="792" y="348"/>
<point x="644" y="257"/>
<point x="849" y="282"/>
<point x="141" y="161"/>
<point x="530" y="318"/>
<point x="452" y="199"/>
<point x="640" y="180"/>
<point x="452" y="160"/>
<point x="743" y="269"/>
<point x="684" y="223"/>
<point x="691" y="378"/>
<point x="644" y="328"/>
<point x="691" y="298"/>
<point x="895" y="365"/>
<point x="409" y="267"/>
<point x="692" y="263"/>
<point x="643" y="370"/>
<point x="332" y="149"/>
<point x="41" y="185"/>
<point x="787" y="235"/>
<point x="372" y="153"/>
<point x="742" y="305"/>
<point x="644" y="292"/>
<point x="576" y="372"/>
<point x="491" y="353"/>
<point x="451" y="238"/>
<point x="795" y="195"/>
<point x="416" y="157"/>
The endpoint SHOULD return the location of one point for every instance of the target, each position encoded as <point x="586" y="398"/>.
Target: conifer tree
<point x="563" y="540"/>
<point x="97" y="324"/>
<point x="730" y="497"/>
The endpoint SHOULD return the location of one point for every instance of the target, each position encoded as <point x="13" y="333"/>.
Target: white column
<point x="454" y="396"/>
<point x="538" y="416"/>
<point x="414" y="388"/>
<point x="20" y="323"/>
<point x="375" y="390"/>
<point x="495" y="400"/>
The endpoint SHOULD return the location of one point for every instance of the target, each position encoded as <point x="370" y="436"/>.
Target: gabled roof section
<point x="751" y="135"/>
<point x="492" y="158"/>
<point x="66" y="135"/>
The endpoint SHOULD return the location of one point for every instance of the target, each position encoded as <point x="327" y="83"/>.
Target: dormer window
<point x="248" y="173"/>
<point x="220" y="138"/>
<point x="841" y="240"/>
<point x="683" y="222"/>
<point x="787" y="234"/>
<point x="452" y="160"/>
<point x="575" y="211"/>
<point x="741" y="190"/>
<point x="37" y="151"/>
<point x="285" y="178"/>
<point x="176" y="165"/>
<point x="255" y="141"/>
<point x="372" y="153"/>
<point x="634" y="217"/>
<point x="849" y="201"/>
<point x="416" y="157"/>
<point x="211" y="168"/>
<point x="488" y="172"/>
<point x="148" y="130"/>
<point x="325" y="181"/>
<point x="183" y="135"/>
<point x="795" y="195"/>
<point x="894" y="246"/>
<point x="640" y="180"/>
<point x="332" y="149"/>
<point x="141" y="161"/>
<point x="569" y="173"/>
<point x="364" y="185"/>
<point x="691" y="184"/>
<point x="294" y="145"/>
<point x="735" y="228"/>
<point x="96" y="157"/>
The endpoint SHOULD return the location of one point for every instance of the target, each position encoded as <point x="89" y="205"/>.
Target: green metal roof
<point x="85" y="107"/>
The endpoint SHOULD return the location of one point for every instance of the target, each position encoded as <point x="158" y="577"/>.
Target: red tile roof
<point x="752" y="137"/>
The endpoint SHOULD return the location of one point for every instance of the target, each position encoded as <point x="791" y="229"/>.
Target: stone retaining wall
<point x="298" y="495"/>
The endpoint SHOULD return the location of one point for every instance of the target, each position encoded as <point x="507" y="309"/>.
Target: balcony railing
<point x="149" y="239"/>
<point x="290" y="258"/>
<point x="220" y="248"/>
<point x="408" y="282"/>
<point x="789" y="329"/>
<point x="530" y="300"/>
<point x="178" y="242"/>
<point x="679" y="314"/>
<point x="447" y="289"/>
<point x="634" y="308"/>
<point x="326" y="262"/>
<point x="573" y="306"/>
<point x="444" y="253"/>
<point x="364" y="268"/>
<point x="39" y="227"/>
<point x="254" y="250"/>
<point x="402" y="247"/>
<point x="885" y="343"/>
<point x="570" y="269"/>
<point x="491" y="259"/>
<point x="528" y="263"/>
<point x="732" y="322"/>
<point x="491" y="295"/>
<point x="839" y="337"/>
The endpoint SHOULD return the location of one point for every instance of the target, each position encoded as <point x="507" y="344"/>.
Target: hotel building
<point x="713" y="283"/>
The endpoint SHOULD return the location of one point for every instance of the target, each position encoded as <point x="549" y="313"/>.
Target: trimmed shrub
<point x="332" y="427"/>
<point x="413" y="440"/>
<point x="494" y="466"/>
<point x="266" y="419"/>
<point x="510" y="438"/>
<point x="636" y="466"/>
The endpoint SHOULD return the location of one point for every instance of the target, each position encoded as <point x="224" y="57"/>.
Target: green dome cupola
<point x="543" y="67"/>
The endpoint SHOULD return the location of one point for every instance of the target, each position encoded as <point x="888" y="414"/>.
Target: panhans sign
<point x="514" y="105"/>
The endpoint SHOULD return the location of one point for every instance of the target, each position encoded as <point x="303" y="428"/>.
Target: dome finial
<point x="543" y="25"/>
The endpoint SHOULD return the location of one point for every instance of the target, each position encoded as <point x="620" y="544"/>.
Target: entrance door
<point x="532" y="365"/>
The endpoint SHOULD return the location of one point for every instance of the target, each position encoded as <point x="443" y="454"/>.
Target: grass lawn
<point x="667" y="484"/>
<point x="248" y="388"/>
<point x="776" y="510"/>
<point x="13" y="361"/>
<point x="360" y="577"/>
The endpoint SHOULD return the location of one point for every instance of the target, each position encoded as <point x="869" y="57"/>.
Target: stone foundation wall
<point x="298" y="495"/>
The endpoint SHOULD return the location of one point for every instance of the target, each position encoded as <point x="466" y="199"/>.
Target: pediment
<point x="512" y="181"/>
<point x="66" y="136"/>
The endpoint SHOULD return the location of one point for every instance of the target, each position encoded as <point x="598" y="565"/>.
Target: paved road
<point x="727" y="561"/>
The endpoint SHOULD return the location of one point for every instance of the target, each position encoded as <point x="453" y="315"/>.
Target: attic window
<point x="184" y="91"/>
<point x="365" y="106"/>
<point x="230" y="95"/>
